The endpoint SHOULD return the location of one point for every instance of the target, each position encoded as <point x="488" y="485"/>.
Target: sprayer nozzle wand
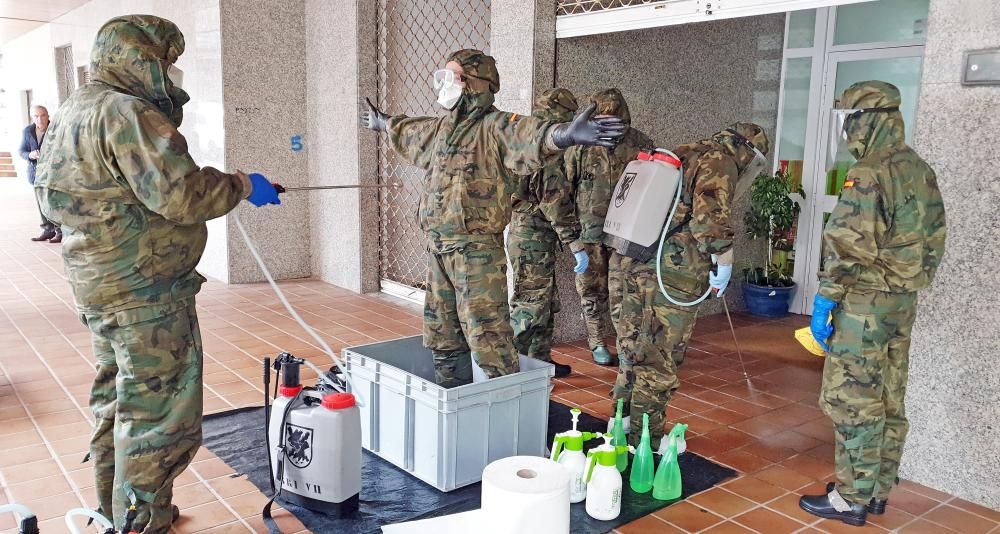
<point x="732" y="329"/>
<point x="283" y="189"/>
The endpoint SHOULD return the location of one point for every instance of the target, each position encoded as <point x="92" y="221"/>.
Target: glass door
<point x="899" y="66"/>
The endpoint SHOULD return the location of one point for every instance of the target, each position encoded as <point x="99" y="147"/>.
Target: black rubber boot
<point x="820" y="506"/>
<point x="175" y="513"/>
<point x="562" y="370"/>
<point x="46" y="235"/>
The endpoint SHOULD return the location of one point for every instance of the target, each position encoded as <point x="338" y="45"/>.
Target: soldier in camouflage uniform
<point x="883" y="244"/>
<point x="595" y="171"/>
<point x="473" y="156"/>
<point x="652" y="331"/>
<point x="116" y="174"/>
<point x="544" y="215"/>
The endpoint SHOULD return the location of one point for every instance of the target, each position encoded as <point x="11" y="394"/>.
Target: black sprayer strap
<point x="267" y="419"/>
<point x="272" y="526"/>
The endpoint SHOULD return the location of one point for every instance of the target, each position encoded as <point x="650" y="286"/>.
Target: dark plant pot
<point x="767" y="301"/>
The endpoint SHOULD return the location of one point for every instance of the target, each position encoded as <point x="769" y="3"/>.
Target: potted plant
<point x="772" y="216"/>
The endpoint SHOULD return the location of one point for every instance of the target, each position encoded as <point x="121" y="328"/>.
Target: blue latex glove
<point x="821" y="326"/>
<point x="719" y="277"/>
<point x="263" y="191"/>
<point x="582" y="261"/>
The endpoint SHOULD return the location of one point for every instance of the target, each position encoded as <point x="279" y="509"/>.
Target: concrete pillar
<point x="953" y="398"/>
<point x="522" y="39"/>
<point x="340" y="59"/>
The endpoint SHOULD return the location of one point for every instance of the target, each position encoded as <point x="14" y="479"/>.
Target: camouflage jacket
<point x="595" y="171"/>
<point x="548" y="196"/>
<point x="473" y="157"/>
<point x="887" y="232"/>
<point x="116" y="174"/>
<point x="711" y="168"/>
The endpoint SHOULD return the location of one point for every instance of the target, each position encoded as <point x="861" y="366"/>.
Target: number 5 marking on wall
<point x="297" y="143"/>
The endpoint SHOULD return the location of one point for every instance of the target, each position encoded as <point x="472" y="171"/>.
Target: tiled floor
<point x="770" y="429"/>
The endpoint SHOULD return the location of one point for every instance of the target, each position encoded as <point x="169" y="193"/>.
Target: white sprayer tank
<point x="323" y="471"/>
<point x="642" y="199"/>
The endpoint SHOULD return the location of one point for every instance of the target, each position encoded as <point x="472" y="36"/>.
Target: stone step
<point x="5" y="174"/>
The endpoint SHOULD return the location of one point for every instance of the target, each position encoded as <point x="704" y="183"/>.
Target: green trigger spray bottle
<point x="619" y="441"/>
<point x="667" y="483"/>
<point x="641" y="478"/>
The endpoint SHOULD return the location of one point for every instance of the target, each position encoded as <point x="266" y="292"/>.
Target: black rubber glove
<point x="587" y="130"/>
<point x="373" y="119"/>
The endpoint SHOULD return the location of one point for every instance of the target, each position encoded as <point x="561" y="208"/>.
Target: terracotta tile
<point x="17" y="474"/>
<point x="247" y="504"/>
<point x="688" y="516"/>
<point x="39" y="488"/>
<point x="192" y="495"/>
<point x="823" y="451"/>
<point x="741" y="461"/>
<point x="52" y="506"/>
<point x="647" y="525"/>
<point x="581" y="397"/>
<point x="22" y="455"/>
<point x="229" y="388"/>
<point x="746" y="408"/>
<point x="922" y="526"/>
<point x="236" y="527"/>
<point x="754" y="489"/>
<point x="920" y="489"/>
<point x="728" y="528"/>
<point x="203" y="517"/>
<point x="15" y="426"/>
<point x="759" y="428"/>
<point x="911" y="502"/>
<point x="723" y="416"/>
<point x="839" y="527"/>
<point x="229" y="486"/>
<point x="893" y="518"/>
<point x="689" y="404"/>
<point x="212" y="468"/>
<point x="722" y="502"/>
<point x="960" y="520"/>
<point x="788" y="504"/>
<point x="811" y="467"/>
<point x="976" y="509"/>
<point x="768" y="452"/>
<point x="713" y="397"/>
<point x="783" y="478"/>
<point x="68" y="431"/>
<point x="764" y="520"/>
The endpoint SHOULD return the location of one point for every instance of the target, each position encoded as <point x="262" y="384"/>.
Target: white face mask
<point x="448" y="88"/>
<point x="176" y="76"/>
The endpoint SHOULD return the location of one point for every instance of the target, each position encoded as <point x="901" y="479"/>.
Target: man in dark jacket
<point x="31" y="147"/>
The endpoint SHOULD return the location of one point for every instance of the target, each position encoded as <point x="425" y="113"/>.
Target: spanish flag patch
<point x="514" y="117"/>
<point x="849" y="183"/>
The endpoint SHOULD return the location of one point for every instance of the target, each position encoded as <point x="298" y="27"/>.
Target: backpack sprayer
<point x="639" y="209"/>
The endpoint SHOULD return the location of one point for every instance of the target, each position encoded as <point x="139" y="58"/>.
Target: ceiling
<point x="18" y="17"/>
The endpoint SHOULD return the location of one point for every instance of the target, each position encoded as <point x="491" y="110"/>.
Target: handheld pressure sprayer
<point x="567" y="450"/>
<point x="639" y="208"/>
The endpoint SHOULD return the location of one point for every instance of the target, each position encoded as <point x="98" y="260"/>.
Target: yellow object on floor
<point x="805" y="337"/>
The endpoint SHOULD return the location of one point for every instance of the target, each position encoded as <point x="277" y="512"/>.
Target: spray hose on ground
<point x="319" y="339"/>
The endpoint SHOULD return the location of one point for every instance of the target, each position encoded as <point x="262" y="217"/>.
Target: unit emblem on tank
<point x="298" y="444"/>
<point x="623" y="190"/>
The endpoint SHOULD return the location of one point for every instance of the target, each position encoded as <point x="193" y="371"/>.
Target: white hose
<point x="281" y="296"/>
<point x="23" y="511"/>
<point x="102" y="521"/>
<point x="663" y="239"/>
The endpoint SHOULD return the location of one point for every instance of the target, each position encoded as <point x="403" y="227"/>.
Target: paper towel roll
<point x="525" y="494"/>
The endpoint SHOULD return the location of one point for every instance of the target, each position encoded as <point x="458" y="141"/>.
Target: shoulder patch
<point x="514" y="117"/>
<point x="848" y="183"/>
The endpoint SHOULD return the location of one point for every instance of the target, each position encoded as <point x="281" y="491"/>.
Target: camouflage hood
<point x="872" y="131"/>
<point x="611" y="102"/>
<point x="557" y="105"/>
<point x="132" y="54"/>
<point x="482" y="81"/>
<point x="751" y="132"/>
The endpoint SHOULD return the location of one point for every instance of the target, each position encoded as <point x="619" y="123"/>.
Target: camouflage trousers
<point x="531" y="247"/>
<point x="864" y="382"/>
<point x="650" y="329"/>
<point x="592" y="286"/>
<point x="466" y="313"/>
<point x="147" y="401"/>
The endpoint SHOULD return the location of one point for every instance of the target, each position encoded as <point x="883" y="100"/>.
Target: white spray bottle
<point x="604" y="482"/>
<point x="567" y="451"/>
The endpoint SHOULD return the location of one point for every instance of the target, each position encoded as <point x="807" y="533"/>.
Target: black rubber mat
<point x="390" y="495"/>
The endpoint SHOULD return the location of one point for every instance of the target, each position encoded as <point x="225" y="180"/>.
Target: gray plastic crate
<point x="446" y="436"/>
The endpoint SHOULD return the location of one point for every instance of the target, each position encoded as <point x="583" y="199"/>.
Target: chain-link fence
<point x="572" y="7"/>
<point x="414" y="38"/>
